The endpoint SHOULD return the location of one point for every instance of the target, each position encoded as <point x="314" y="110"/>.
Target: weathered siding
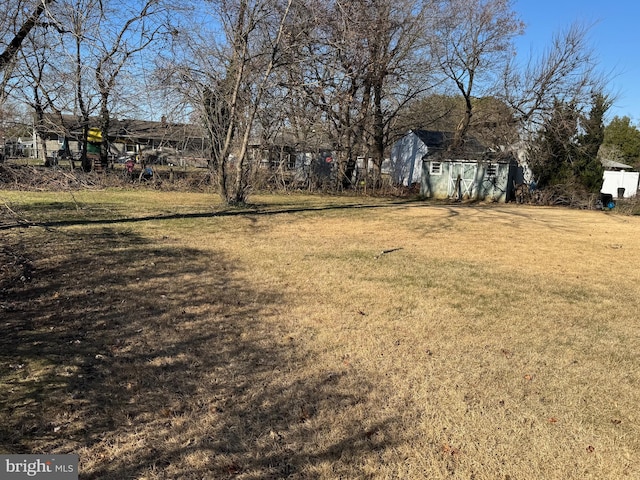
<point x="406" y="160"/>
<point x="465" y="179"/>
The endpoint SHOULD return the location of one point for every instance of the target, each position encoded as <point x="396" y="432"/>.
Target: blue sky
<point x="614" y="36"/>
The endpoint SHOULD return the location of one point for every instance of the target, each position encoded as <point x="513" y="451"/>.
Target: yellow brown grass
<point x="336" y="340"/>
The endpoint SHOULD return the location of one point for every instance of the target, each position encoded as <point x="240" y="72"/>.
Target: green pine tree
<point x="588" y="169"/>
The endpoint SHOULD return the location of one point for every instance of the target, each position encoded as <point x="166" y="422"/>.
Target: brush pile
<point x="25" y="177"/>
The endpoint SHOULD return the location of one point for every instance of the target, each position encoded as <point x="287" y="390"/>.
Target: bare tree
<point x="96" y="39"/>
<point x="126" y="29"/>
<point x="567" y="71"/>
<point x="331" y="54"/>
<point x="473" y="44"/>
<point x="53" y="73"/>
<point x="77" y="22"/>
<point x="41" y="83"/>
<point x="397" y="69"/>
<point x="241" y="55"/>
<point x="362" y="62"/>
<point x="226" y="80"/>
<point x="12" y="14"/>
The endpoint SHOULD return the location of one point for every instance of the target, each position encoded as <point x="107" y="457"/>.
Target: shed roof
<point x="472" y="150"/>
<point x="613" y="165"/>
<point x="439" y="141"/>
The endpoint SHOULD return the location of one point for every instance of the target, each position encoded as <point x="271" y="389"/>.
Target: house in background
<point x="475" y="173"/>
<point x="140" y="139"/>
<point x="289" y="161"/>
<point x="618" y="181"/>
<point x="405" y="167"/>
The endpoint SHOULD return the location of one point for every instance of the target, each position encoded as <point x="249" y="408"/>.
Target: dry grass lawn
<point x="159" y="340"/>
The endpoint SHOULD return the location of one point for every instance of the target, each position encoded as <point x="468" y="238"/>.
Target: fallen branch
<point x="384" y="252"/>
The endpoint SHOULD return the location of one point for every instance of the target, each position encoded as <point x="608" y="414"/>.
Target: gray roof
<point x="131" y="129"/>
<point x="612" y="164"/>
<point x="439" y="141"/>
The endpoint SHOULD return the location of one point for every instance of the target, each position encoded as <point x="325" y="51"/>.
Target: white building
<point x="618" y="181"/>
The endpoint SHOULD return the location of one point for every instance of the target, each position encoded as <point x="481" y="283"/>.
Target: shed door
<point x="467" y="173"/>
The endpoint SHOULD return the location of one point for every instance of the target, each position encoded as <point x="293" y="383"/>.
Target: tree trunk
<point x="105" y="123"/>
<point x="378" y="132"/>
<point x="84" y="158"/>
<point x="84" y="161"/>
<point x="239" y="194"/>
<point x="463" y="126"/>
<point x="38" y="127"/>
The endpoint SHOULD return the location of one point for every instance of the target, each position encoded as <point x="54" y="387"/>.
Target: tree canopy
<point x="565" y="151"/>
<point x="622" y="140"/>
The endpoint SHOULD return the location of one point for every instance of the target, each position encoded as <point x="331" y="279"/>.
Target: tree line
<point x="353" y="75"/>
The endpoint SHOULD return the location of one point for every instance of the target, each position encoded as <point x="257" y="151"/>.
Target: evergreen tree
<point x="625" y="138"/>
<point x="566" y="149"/>
<point x="555" y="148"/>
<point x="588" y="169"/>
